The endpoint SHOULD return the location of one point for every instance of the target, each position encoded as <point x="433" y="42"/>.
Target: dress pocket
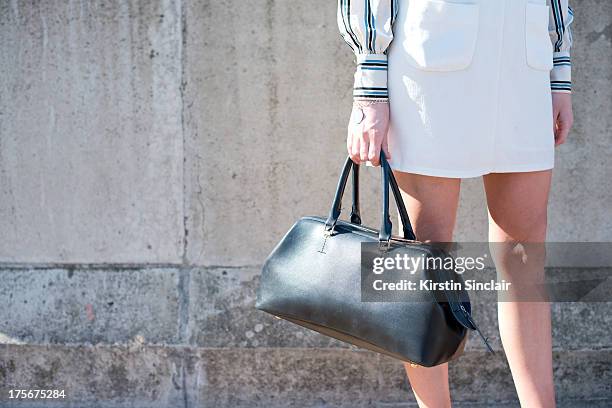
<point x="537" y="39"/>
<point x="440" y="35"/>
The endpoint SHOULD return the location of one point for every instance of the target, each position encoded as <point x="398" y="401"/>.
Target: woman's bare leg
<point x="432" y="206"/>
<point x="517" y="205"/>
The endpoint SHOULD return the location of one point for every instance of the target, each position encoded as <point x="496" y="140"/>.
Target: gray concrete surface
<point x="93" y="128"/>
<point x="206" y="307"/>
<point x="91" y="153"/>
<point x="76" y="306"/>
<point x="265" y="125"/>
<point x="153" y="337"/>
<point x="156" y="376"/>
<point x="151" y="155"/>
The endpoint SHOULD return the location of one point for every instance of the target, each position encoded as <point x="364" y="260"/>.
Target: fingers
<point x="364" y="148"/>
<point x="563" y="118"/>
<point x="563" y="123"/>
<point x="377" y="143"/>
<point x="365" y="145"/>
<point x="352" y="141"/>
<point x="560" y="135"/>
<point x="558" y="129"/>
<point x="356" y="150"/>
<point x="373" y="154"/>
<point x="558" y="126"/>
<point x="349" y="142"/>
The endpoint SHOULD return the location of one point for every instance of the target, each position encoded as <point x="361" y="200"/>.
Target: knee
<point x="523" y="230"/>
<point x="520" y="243"/>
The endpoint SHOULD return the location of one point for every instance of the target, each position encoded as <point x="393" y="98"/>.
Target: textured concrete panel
<point x="222" y="314"/>
<point x="266" y="123"/>
<point x="339" y="378"/>
<point x="96" y="376"/>
<point x="90" y="131"/>
<point x="298" y="378"/>
<point x="472" y="222"/>
<point x="89" y="306"/>
<point x="206" y="308"/>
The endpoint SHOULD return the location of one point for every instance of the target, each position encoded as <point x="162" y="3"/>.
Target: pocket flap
<point x="538" y="45"/>
<point x="441" y="35"/>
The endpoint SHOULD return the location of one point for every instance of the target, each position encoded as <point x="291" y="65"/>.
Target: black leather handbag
<point x="313" y="278"/>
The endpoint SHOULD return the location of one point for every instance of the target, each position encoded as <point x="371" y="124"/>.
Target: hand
<point x="367" y="132"/>
<point x="563" y="118"/>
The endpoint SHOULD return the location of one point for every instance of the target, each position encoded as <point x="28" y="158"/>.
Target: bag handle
<point x="399" y="203"/>
<point x="388" y="180"/>
<point x="355" y="209"/>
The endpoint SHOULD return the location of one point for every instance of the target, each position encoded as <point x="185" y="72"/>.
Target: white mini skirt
<point x="469" y="87"/>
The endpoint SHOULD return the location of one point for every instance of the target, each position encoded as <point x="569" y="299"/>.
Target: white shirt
<point x="367" y="27"/>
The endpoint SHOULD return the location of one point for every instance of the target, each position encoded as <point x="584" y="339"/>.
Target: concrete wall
<point x="91" y="158"/>
<point x="151" y="155"/>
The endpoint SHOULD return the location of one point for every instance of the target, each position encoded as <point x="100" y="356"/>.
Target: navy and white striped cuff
<point x="561" y="86"/>
<point x="561" y="74"/>
<point x="371" y="77"/>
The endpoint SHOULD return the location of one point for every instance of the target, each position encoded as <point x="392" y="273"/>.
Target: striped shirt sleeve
<point x="561" y="18"/>
<point x="366" y="26"/>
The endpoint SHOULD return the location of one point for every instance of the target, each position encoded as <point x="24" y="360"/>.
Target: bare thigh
<point x="431" y="203"/>
<point x="517" y="204"/>
<point x="432" y="206"/>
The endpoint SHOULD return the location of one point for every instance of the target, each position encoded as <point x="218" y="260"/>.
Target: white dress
<point x="469" y="81"/>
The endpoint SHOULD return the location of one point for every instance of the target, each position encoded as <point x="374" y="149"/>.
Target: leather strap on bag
<point x="387" y="180"/>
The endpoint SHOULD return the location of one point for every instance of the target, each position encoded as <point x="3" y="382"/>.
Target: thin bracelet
<point x="367" y="102"/>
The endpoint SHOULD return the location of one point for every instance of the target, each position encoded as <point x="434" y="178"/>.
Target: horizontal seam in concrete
<point x="127" y="266"/>
<point x="256" y="266"/>
<point x="73" y="266"/>
<point x="138" y="265"/>
<point x="257" y="349"/>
